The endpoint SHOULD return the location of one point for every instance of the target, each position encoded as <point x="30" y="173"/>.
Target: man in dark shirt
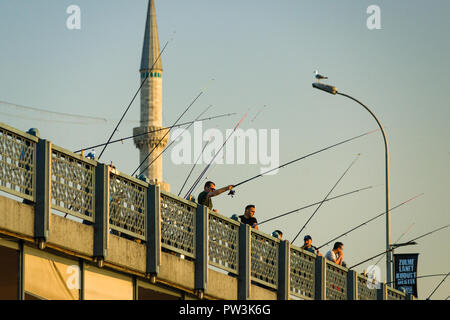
<point x="210" y="191"/>
<point x="248" y="218"/>
<point x="309" y="247"/>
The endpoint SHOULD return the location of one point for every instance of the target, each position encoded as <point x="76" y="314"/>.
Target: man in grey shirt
<point x="337" y="254"/>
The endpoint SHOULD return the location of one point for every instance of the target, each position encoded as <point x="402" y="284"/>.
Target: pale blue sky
<point x="261" y="53"/>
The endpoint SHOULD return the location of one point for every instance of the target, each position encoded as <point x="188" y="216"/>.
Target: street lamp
<point x="332" y="90"/>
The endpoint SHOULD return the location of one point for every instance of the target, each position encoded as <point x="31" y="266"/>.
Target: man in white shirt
<point x="337" y="254"/>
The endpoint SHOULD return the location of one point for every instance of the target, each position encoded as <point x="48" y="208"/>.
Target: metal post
<point x="101" y="225"/>
<point x="43" y="192"/>
<point x="153" y="230"/>
<point x="244" y="277"/>
<point x="201" y="248"/>
<point x="284" y="270"/>
<point x="135" y="288"/>
<point x="320" y="278"/>
<point x="82" y="282"/>
<point x="388" y="215"/>
<point x="21" y="273"/>
<point x="332" y="90"/>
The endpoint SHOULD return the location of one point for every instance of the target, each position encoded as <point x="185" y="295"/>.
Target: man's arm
<point x="339" y="260"/>
<point x="318" y="252"/>
<point x="219" y="191"/>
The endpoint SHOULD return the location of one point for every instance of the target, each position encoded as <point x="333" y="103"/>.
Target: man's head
<point x="308" y="240"/>
<point x="277" y="234"/>
<point x="250" y="210"/>
<point x="338" y="247"/>
<point x="210" y="186"/>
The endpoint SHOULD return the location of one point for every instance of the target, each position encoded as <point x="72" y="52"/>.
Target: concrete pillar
<point x="101" y="223"/>
<point x="201" y="248"/>
<point x="320" y="278"/>
<point x="244" y="277"/>
<point x="284" y="270"/>
<point x="43" y="191"/>
<point x="382" y="292"/>
<point x="153" y="230"/>
<point x="352" y="285"/>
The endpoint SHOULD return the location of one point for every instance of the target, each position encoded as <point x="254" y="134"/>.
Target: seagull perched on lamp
<point x="319" y="76"/>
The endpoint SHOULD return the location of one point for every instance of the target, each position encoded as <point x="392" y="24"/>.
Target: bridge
<point x="74" y="228"/>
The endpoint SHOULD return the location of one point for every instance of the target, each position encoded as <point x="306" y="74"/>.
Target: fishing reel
<point x="232" y="193"/>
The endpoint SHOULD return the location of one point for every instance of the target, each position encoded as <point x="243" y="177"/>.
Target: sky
<point x="260" y="53"/>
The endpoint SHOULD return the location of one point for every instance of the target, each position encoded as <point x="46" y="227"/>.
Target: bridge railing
<point x="264" y="258"/>
<point x="17" y="162"/>
<point x="72" y="184"/>
<point x="113" y="201"/>
<point x="302" y="273"/>
<point x="128" y="205"/>
<point x="178" y="224"/>
<point x="336" y="281"/>
<point x="223" y="243"/>
<point x="366" y="289"/>
<point x="394" y="294"/>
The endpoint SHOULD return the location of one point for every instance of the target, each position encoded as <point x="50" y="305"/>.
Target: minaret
<point x="151" y="103"/>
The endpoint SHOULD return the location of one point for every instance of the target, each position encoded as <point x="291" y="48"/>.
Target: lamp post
<point x="332" y="90"/>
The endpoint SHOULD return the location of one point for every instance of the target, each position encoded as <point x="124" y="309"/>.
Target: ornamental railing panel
<point x="264" y="258"/>
<point x="127" y="207"/>
<point x="302" y="275"/>
<point x="223" y="242"/>
<point x="17" y="163"/>
<point x="178" y="224"/>
<point x="394" y="294"/>
<point x="73" y="184"/>
<point x="367" y="289"/>
<point x="336" y="282"/>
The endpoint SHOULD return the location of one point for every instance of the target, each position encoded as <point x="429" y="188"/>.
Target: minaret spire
<point x="150" y="49"/>
<point x="151" y="103"/>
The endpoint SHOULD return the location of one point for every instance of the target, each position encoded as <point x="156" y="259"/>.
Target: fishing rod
<point x="232" y="192"/>
<point x="205" y="179"/>
<point x="438" y="286"/>
<point x="396" y="245"/>
<point x="191" y="189"/>
<point x="195" y="163"/>
<point x="182" y="114"/>
<point x="156" y="130"/>
<point x="132" y="100"/>
<point x="213" y="166"/>
<point x="311" y="205"/>
<point x="326" y="197"/>
<point x="257" y="114"/>
<point x="366" y="222"/>
<point x="401" y="236"/>
<point x="254" y="118"/>
<point x="70" y="115"/>
<point x="172" y="142"/>
<point x="197" y="181"/>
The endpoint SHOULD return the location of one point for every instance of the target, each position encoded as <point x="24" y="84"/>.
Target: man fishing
<point x="337" y="254"/>
<point x="204" y="198"/>
<point x="309" y="247"/>
<point x="248" y="216"/>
